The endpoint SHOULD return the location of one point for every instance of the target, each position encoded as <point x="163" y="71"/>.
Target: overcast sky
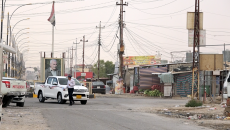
<point x="151" y="25"/>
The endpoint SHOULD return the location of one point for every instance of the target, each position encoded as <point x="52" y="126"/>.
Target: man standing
<point x="70" y="85"/>
<point x="52" y="70"/>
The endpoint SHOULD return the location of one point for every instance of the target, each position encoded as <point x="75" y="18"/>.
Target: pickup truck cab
<point x="226" y="87"/>
<point x="13" y="91"/>
<point x="55" y="87"/>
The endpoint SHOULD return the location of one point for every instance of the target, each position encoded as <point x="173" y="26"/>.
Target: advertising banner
<point x="191" y="38"/>
<point x="141" y="60"/>
<point x="53" y="67"/>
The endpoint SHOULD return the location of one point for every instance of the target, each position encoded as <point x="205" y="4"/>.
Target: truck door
<point x="48" y="86"/>
<point x="54" y="88"/>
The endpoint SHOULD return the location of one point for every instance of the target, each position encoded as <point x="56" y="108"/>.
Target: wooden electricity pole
<point x="122" y="48"/>
<point x="99" y="44"/>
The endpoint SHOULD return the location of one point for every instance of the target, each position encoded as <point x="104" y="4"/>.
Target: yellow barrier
<point x="35" y="96"/>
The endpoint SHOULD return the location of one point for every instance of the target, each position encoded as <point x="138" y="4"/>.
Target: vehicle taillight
<point x="104" y="86"/>
<point x="7" y="83"/>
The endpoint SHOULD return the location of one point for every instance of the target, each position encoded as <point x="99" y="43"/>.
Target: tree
<point x="35" y="69"/>
<point x="105" y="68"/>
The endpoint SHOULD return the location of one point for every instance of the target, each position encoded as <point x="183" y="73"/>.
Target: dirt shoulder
<point x="22" y="118"/>
<point x="209" y="115"/>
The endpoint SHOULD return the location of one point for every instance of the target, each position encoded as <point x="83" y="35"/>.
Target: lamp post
<point x="2" y="17"/>
<point x="20" y="31"/>
<point x="19" y="22"/>
<point x="21" y="35"/>
<point x="22" y="39"/>
<point x="13" y="73"/>
<point x="22" y="44"/>
<point x="17" y="9"/>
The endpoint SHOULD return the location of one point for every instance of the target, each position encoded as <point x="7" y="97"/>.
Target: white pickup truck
<point x="13" y="91"/>
<point x="55" y="87"/>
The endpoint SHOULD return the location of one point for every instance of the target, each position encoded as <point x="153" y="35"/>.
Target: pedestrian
<point x="70" y="86"/>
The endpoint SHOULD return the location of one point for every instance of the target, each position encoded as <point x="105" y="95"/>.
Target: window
<point x="55" y="80"/>
<point x="49" y="80"/>
<point x="98" y="83"/>
<point x="77" y="82"/>
<point x="63" y="81"/>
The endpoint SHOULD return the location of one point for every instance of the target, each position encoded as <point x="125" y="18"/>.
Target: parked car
<point x="55" y="87"/>
<point x="98" y="87"/>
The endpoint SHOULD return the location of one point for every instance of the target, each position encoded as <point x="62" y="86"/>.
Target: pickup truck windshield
<point x="63" y="81"/>
<point x="77" y="82"/>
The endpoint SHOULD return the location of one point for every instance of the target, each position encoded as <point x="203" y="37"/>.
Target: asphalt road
<point x="110" y="114"/>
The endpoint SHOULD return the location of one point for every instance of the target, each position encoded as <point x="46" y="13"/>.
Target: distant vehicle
<point x="55" y="87"/>
<point x="31" y="84"/>
<point x="13" y="91"/>
<point x="98" y="87"/>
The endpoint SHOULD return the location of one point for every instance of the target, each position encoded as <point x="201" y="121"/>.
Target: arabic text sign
<point x="141" y="60"/>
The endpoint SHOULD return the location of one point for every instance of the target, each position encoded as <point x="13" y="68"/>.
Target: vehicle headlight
<point x="86" y="90"/>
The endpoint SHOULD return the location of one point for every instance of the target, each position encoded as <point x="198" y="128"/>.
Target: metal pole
<point x="83" y="66"/>
<point x="52" y="42"/>
<point x="204" y="88"/>
<point x="2" y="19"/>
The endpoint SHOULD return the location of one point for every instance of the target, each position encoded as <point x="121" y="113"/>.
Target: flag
<point x="52" y="16"/>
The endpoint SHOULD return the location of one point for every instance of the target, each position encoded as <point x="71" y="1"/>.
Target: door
<point x="48" y="86"/>
<point x="54" y="88"/>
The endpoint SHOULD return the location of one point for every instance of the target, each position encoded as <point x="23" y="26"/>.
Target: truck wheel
<point x="20" y="104"/>
<point x="6" y="101"/>
<point x="40" y="97"/>
<point x="59" y="99"/>
<point x="83" y="102"/>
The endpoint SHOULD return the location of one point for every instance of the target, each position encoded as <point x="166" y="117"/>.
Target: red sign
<point x="78" y="76"/>
<point x="18" y="86"/>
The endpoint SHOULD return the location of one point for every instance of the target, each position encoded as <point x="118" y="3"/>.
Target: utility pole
<point x="71" y="62"/>
<point x="99" y="44"/>
<point x="68" y="60"/>
<point x="122" y="48"/>
<point x="196" y="50"/>
<point x="76" y="55"/>
<point x="83" y="52"/>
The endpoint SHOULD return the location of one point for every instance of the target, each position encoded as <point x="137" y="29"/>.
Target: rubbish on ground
<point x="212" y="108"/>
<point x="227" y="118"/>
<point x="177" y="105"/>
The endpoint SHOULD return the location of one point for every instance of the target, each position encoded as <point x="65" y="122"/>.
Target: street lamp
<point x="25" y="50"/>
<point x="19" y="22"/>
<point x="17" y="9"/>
<point x="21" y="45"/>
<point x="20" y="31"/>
<point x="21" y="35"/>
<point x="22" y="39"/>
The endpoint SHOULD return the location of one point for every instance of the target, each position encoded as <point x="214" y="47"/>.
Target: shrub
<point x="146" y="92"/>
<point x="193" y="103"/>
<point x="154" y="93"/>
<point x="141" y="90"/>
